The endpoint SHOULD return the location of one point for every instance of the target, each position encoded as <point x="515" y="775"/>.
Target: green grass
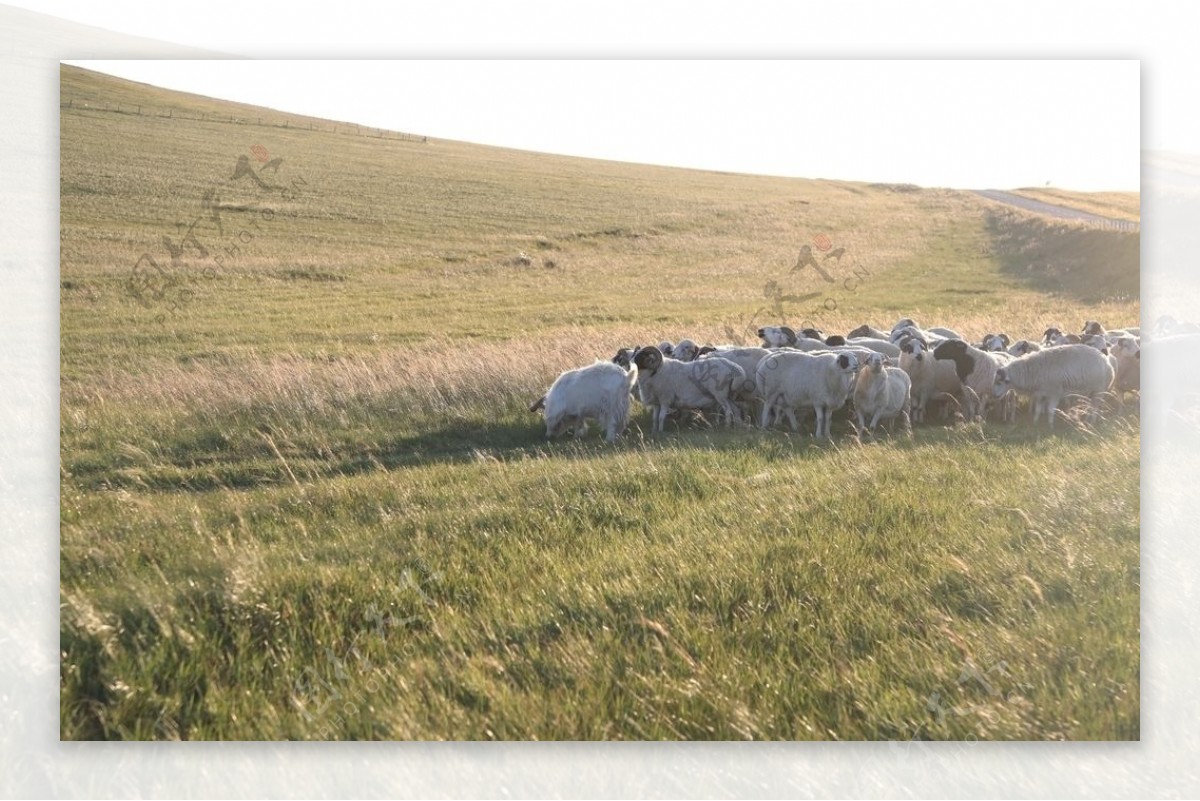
<point x="310" y="501"/>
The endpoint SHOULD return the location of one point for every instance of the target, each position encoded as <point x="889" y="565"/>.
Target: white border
<point x="36" y="764"/>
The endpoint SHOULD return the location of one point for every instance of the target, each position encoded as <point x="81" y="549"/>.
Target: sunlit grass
<point x="310" y="502"/>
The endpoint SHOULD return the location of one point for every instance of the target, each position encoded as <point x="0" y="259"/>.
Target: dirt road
<point x="1051" y="210"/>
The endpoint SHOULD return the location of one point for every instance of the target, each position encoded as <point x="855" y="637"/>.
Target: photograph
<point x="631" y="400"/>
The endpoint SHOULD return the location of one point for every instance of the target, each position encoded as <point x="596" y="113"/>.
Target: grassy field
<point x="302" y="496"/>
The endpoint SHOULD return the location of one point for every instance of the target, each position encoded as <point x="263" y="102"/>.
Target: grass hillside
<point x="302" y="495"/>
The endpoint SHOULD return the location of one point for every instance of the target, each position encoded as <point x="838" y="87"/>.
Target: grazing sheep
<point x="685" y="350"/>
<point x="947" y="333"/>
<point x="777" y="336"/>
<point x="748" y="359"/>
<point x="921" y="369"/>
<point x="813" y="333"/>
<point x="835" y="341"/>
<point x="995" y="342"/>
<point x="1048" y="376"/>
<point x="881" y="393"/>
<point x="913" y="331"/>
<point x="1054" y="336"/>
<point x="788" y="380"/>
<point x="975" y="368"/>
<point x="878" y="345"/>
<point x="867" y="331"/>
<point x="665" y="385"/>
<point x="1128" y="354"/>
<point x="1023" y="346"/>
<point x="624" y="356"/>
<point x="597" y="392"/>
<point x="1100" y="343"/>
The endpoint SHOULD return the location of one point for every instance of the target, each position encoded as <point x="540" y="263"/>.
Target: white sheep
<point x="822" y="381"/>
<point x="921" y="367"/>
<point x="975" y="368"/>
<point x="777" y="336"/>
<point x="745" y="358"/>
<point x="906" y="331"/>
<point x="1128" y="353"/>
<point x="888" y="349"/>
<point x="685" y="350"/>
<point x="597" y="392"/>
<point x="1048" y="376"/>
<point x="865" y="330"/>
<point x="995" y="342"/>
<point x="880" y="393"/>
<point x="666" y="385"/>
<point x="1023" y="346"/>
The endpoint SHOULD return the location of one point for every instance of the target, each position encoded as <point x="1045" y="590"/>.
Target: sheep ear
<point x="843" y="361"/>
<point x="1005" y="339"/>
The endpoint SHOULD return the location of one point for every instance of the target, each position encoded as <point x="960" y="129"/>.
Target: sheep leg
<point x="768" y="406"/>
<point x="1052" y="410"/>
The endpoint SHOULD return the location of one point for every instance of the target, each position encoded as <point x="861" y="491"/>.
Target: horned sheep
<point x="666" y="385"/>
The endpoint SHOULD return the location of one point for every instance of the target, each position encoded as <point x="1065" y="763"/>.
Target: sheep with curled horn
<point x="666" y="385"/>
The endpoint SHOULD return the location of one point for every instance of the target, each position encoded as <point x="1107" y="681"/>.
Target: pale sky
<point x="965" y="124"/>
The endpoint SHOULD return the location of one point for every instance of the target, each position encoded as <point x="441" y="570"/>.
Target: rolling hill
<point x="302" y="495"/>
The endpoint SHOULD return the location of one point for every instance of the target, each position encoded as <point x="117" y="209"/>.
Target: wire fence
<point x="293" y="123"/>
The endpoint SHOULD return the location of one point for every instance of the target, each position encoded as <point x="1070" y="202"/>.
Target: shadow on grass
<point x="218" y="464"/>
<point x="1084" y="262"/>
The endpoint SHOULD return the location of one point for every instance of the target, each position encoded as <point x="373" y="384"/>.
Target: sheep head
<point x="1001" y="383"/>
<point x="956" y="351"/>
<point x="648" y="359"/>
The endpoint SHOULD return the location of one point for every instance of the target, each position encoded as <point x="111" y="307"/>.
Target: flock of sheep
<point x="898" y="375"/>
